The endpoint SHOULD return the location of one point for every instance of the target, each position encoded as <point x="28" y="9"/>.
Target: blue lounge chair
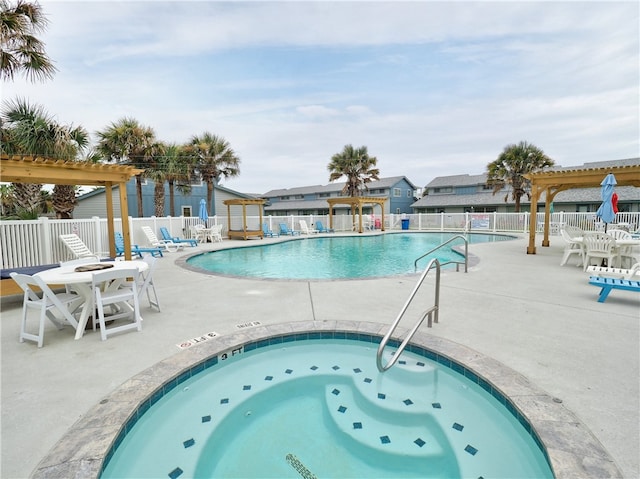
<point x="166" y="236"/>
<point x="135" y="249"/>
<point x="321" y="228"/>
<point x="284" y="230"/>
<point x="609" y="284"/>
<point x="267" y="232"/>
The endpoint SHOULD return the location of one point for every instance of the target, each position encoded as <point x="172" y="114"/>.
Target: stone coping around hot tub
<point x="572" y="450"/>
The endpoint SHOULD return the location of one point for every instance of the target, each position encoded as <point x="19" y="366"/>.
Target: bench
<point x="9" y="287"/>
<point x="609" y="284"/>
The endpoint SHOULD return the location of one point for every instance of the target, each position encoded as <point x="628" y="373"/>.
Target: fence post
<point x="47" y="244"/>
<point x="495" y="221"/>
<point x="98" y="235"/>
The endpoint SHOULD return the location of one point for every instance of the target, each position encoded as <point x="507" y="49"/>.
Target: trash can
<point x="405" y="224"/>
<point x="377" y="224"/>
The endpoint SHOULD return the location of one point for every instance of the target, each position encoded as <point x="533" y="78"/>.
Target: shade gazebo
<point x="29" y="169"/>
<point x="356" y="202"/>
<point x="555" y="181"/>
<point x="245" y="233"/>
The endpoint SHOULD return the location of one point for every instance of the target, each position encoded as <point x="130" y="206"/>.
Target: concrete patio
<point x="526" y="311"/>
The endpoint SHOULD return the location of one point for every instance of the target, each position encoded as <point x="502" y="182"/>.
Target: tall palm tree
<point x="30" y="130"/>
<point x="178" y="170"/>
<point x="20" y="49"/>
<point x="514" y="162"/>
<point x="359" y="168"/>
<point x="127" y="141"/>
<point x="214" y="158"/>
<point x="156" y="171"/>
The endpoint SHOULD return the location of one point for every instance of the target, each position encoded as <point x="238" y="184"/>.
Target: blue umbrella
<point x="204" y="215"/>
<point x="605" y="211"/>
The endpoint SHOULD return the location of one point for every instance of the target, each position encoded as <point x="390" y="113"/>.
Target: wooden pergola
<point x="20" y="169"/>
<point x="244" y="233"/>
<point x="356" y="201"/>
<point x="553" y="182"/>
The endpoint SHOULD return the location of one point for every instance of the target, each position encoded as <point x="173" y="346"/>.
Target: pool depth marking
<point x="200" y="339"/>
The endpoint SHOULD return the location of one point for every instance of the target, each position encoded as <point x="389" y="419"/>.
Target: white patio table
<point x="81" y="281"/>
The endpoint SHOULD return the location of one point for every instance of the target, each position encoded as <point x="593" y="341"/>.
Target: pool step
<point x="383" y="429"/>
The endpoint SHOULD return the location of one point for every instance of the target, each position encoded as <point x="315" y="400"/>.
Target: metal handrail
<point x="457" y="263"/>
<point x="432" y="313"/>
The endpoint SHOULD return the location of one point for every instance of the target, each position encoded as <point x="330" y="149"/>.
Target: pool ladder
<point x="431" y="314"/>
<point x="457" y="263"/>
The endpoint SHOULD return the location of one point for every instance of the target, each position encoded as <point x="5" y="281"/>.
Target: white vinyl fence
<point x="35" y="242"/>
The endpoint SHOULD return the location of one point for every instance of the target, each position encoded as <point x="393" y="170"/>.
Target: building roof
<point x="335" y="187"/>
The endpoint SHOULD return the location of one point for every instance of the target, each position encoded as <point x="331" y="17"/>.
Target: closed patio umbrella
<point x="605" y="211"/>
<point x="203" y="214"/>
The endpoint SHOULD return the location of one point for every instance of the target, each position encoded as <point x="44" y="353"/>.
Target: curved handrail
<point x="466" y="253"/>
<point x="431" y="312"/>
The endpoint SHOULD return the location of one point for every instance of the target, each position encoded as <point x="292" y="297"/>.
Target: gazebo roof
<point x="19" y="169"/>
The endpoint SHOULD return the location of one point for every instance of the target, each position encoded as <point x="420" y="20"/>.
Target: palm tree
<point x="127" y="141"/>
<point x="30" y="130"/>
<point x="214" y="158"/>
<point x="357" y="166"/>
<point x="157" y="171"/>
<point x="514" y="162"/>
<point x="20" y="49"/>
<point x="178" y="168"/>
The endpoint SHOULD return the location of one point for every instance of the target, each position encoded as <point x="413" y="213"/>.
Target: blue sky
<point x="431" y="88"/>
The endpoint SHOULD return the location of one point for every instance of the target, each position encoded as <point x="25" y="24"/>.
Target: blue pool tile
<point x="313" y="368"/>
<point x="421" y="364"/>
<point x="188" y="443"/>
<point x="206" y="418"/>
<point x="177" y="472"/>
<point x="402" y="361"/>
<point x="246" y="387"/>
<point x="289" y="371"/>
<point x="268" y="378"/>
<point x="335" y="368"/>
<point x="382" y="396"/>
<point x="357" y="370"/>
<point x="471" y="450"/>
<point x="224" y="401"/>
<point x="458" y="427"/>
<point x="385" y="439"/>
<point x="367" y="380"/>
<point x="408" y="402"/>
<point x="419" y="442"/>
<point x="436" y="405"/>
<point x="357" y="425"/>
<point x="335" y="391"/>
<point x="342" y="409"/>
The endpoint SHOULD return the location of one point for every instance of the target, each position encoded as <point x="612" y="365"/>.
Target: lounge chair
<point x="284" y="230"/>
<point x="167" y="237"/>
<point x="167" y="245"/>
<point x="322" y="229"/>
<point x="619" y="273"/>
<point x="609" y="284"/>
<point x="135" y="249"/>
<point x="77" y="247"/>
<point x="305" y="228"/>
<point x="267" y="232"/>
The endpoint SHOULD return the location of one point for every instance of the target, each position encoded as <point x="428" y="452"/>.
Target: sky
<point x="430" y="88"/>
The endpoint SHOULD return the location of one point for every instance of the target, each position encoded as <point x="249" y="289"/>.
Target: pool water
<point x="339" y="257"/>
<point x="320" y="408"/>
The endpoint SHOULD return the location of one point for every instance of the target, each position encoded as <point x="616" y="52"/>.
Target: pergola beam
<point x="356" y="201"/>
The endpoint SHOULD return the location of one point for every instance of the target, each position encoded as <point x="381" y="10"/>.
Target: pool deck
<point x="525" y="311"/>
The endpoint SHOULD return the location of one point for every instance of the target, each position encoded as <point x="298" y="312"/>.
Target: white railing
<point x="35" y="242"/>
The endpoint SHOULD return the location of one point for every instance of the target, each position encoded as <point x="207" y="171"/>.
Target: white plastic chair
<point x="199" y="232"/>
<point x="168" y="245"/>
<point x="305" y="228"/>
<point x="215" y="233"/>
<point x="573" y="246"/>
<point x="110" y="288"/>
<point x="145" y="283"/>
<point x="77" y="247"/>
<point x="599" y="246"/>
<point x="46" y="303"/>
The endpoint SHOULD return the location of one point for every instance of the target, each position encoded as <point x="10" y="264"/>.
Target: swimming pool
<point x="337" y="257"/>
<point x="307" y="407"/>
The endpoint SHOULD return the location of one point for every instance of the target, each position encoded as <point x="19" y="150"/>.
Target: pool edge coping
<point x="572" y="449"/>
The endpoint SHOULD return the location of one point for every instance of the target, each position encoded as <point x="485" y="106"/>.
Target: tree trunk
<point x="172" y="206"/>
<point x="158" y="198"/>
<point x="64" y="201"/>
<point x="139" y="196"/>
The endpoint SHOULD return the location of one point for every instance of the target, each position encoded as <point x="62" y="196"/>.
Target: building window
<point x="284" y="198"/>
<point x="444" y="189"/>
<point x="324" y="195"/>
<point x="397" y="192"/>
<point x="186" y="210"/>
<point x="409" y="194"/>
